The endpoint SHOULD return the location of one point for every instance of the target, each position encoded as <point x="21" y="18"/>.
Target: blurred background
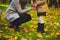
<point x="28" y="29"/>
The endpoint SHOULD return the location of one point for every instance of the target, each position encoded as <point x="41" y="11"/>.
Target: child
<point x="41" y="12"/>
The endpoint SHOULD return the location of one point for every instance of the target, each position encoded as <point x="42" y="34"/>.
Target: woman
<point x="16" y="13"/>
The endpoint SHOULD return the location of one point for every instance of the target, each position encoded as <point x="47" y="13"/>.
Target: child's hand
<point x="33" y="7"/>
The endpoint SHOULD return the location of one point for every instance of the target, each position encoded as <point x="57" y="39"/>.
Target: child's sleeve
<point x="40" y="2"/>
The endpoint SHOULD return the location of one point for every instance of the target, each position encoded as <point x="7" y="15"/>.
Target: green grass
<point x="4" y="5"/>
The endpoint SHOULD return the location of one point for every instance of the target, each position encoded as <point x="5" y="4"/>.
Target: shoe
<point x="40" y="28"/>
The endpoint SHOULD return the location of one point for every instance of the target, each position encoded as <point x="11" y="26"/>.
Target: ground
<point x="28" y="29"/>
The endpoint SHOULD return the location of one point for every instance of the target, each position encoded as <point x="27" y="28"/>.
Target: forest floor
<point x="28" y="30"/>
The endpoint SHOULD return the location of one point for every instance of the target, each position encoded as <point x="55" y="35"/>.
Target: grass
<point x="28" y="29"/>
<point x="4" y="5"/>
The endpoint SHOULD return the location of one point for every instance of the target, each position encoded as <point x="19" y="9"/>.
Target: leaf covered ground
<point x="28" y="29"/>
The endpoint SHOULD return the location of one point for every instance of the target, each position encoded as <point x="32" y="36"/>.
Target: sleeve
<point x="40" y="2"/>
<point x="18" y="7"/>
